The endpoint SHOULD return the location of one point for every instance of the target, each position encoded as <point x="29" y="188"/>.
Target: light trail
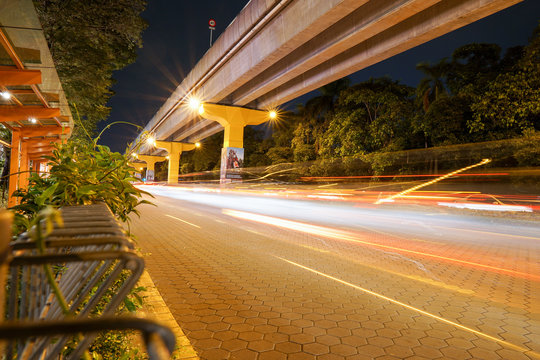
<point x="308" y="178"/>
<point x="184" y="221"/>
<point x="453" y="173"/>
<point x="347" y="236"/>
<point x="417" y="310"/>
<point x="487" y="207"/>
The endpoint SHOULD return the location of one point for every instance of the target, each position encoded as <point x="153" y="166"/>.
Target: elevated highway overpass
<point x="277" y="50"/>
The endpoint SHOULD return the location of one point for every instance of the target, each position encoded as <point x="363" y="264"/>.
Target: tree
<point x="432" y="86"/>
<point x="88" y="41"/>
<point x="472" y="67"/>
<point x="511" y="102"/>
<point x="314" y="119"/>
<point x="371" y="116"/>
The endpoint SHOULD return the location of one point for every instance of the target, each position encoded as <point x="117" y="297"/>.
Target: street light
<point x="151" y="141"/>
<point x="198" y="144"/>
<point x="194" y="103"/>
<point x="6" y="95"/>
<point x="272" y="114"/>
<point x="33" y="120"/>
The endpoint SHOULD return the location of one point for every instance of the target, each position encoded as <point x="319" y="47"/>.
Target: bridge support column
<point x="151" y="160"/>
<point x="233" y="119"/>
<point x="138" y="168"/>
<point x="175" y="150"/>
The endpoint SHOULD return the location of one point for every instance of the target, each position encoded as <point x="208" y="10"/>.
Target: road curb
<point x="155" y="307"/>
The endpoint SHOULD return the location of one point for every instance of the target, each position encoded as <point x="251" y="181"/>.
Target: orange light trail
<point x="307" y="178"/>
<point x="420" y="311"/>
<point x="485" y="161"/>
<point x="346" y="236"/>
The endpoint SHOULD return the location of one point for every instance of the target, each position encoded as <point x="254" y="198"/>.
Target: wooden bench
<point x="89" y="256"/>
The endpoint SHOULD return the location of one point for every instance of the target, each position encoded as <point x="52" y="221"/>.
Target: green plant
<point x="81" y="173"/>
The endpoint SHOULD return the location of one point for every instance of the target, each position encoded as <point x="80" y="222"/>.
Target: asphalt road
<point x="258" y="276"/>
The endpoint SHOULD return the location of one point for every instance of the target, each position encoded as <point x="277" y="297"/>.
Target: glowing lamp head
<point x="167" y="157"/>
<point x="272" y="114"/>
<point x="198" y="144"/>
<point x="33" y="120"/>
<point x="194" y="103"/>
<point x="135" y="155"/>
<point x="151" y="141"/>
<point x="5" y="95"/>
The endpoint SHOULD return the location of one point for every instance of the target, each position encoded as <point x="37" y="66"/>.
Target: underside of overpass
<point x="275" y="51"/>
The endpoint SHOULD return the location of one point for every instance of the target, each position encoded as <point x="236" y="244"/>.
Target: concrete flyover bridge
<point x="277" y="50"/>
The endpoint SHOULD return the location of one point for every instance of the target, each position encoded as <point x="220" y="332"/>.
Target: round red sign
<point x="212" y="22"/>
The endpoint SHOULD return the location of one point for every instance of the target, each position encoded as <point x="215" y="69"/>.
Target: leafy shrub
<point x="81" y="174"/>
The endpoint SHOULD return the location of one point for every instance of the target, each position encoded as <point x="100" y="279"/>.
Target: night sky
<point x="178" y="36"/>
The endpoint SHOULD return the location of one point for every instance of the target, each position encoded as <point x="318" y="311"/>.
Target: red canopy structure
<point x="32" y="103"/>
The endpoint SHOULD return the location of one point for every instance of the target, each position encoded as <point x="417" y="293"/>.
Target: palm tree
<point x="432" y="86"/>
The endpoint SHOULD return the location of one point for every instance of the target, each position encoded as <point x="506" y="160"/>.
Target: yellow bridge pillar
<point x="151" y="160"/>
<point x="233" y="119"/>
<point x="175" y="150"/>
<point x="138" y="168"/>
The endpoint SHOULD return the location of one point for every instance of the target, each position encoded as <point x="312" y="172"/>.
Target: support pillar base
<point x="232" y="162"/>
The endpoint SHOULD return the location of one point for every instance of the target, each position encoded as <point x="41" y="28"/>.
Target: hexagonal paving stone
<point x="219" y="326"/>
<point x="260" y="345"/>
<point x="265" y="329"/>
<point x="269" y="314"/>
<point x="279" y="322"/>
<point x="200" y="334"/>
<point x="327" y="340"/>
<point x="244" y="354"/>
<point x="288" y="347"/>
<point x="455" y="353"/>
<point x="214" y="354"/>
<point x="300" y="356"/>
<point x="316" y="349"/>
<point x="370" y="350"/>
<point x="289" y="329"/>
<point x="234" y="319"/>
<point x="250" y="335"/>
<point x="380" y="341"/>
<point x="234" y="345"/>
<point x="208" y="344"/>
<point x="302" y="323"/>
<point x="343" y="350"/>
<point x="226" y="335"/>
<point x="427" y="351"/>
<point x="302" y="338"/>
<point x="354" y="340"/>
<point x="272" y="355"/>
<point x="247" y="314"/>
<point x="242" y="327"/>
<point x="398" y="351"/>
<point x="339" y="332"/>
<point x="325" y="324"/>
<point x="315" y="331"/>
